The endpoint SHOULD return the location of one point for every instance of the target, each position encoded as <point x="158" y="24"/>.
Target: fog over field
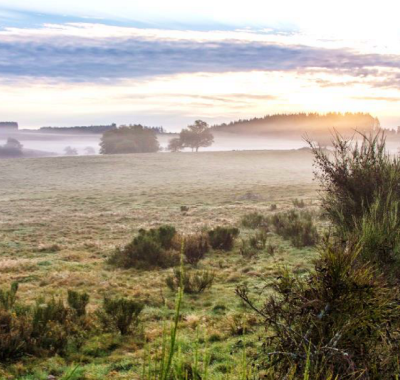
<point x="57" y="142"/>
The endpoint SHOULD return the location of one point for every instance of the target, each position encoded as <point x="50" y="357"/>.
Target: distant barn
<point x="8" y="126"/>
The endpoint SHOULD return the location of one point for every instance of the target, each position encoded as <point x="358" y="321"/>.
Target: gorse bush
<point x="353" y="175"/>
<point x="342" y="321"/>
<point x="78" y="302"/>
<point x="8" y="297"/>
<point x="223" y="238"/>
<point x="150" y="248"/>
<point x="297" y="227"/>
<point x="253" y="220"/>
<point x="193" y="281"/>
<point x="194" y="248"/>
<point x="120" y="314"/>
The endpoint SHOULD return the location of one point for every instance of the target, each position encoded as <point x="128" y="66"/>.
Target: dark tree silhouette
<point x="129" y="139"/>
<point x="12" y="148"/>
<point x="195" y="136"/>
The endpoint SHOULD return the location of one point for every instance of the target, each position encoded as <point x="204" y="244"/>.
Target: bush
<point x="259" y="240"/>
<point x="120" y="314"/>
<point x="150" y="248"/>
<point x="8" y="297"/>
<point x="194" y="282"/>
<point x="195" y="247"/>
<point x="353" y="175"/>
<point x="78" y="302"/>
<point x="246" y="250"/>
<point x="297" y="227"/>
<point x="253" y="220"/>
<point x="340" y="321"/>
<point x="223" y="238"/>
<point x="299" y="203"/>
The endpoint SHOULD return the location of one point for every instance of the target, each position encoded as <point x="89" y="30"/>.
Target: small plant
<point x="194" y="281"/>
<point x="184" y="208"/>
<point x="299" y="203"/>
<point x="120" y="314"/>
<point x="78" y="302"/>
<point x="271" y="249"/>
<point x="259" y="240"/>
<point x="223" y="238"/>
<point x="273" y="207"/>
<point x="8" y="297"/>
<point x="253" y="220"/>
<point x="246" y="250"/>
<point x="195" y="248"/>
<point x="297" y="227"/>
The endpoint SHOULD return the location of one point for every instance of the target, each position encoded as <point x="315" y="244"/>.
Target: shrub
<point x="78" y="302"/>
<point x="120" y="314"/>
<point x="253" y="220"/>
<point x="149" y="248"/>
<point x="353" y="175"/>
<point x="194" y="282"/>
<point x="340" y="321"/>
<point x="297" y="227"/>
<point x="195" y="248"/>
<point x="259" y="240"/>
<point x="299" y="203"/>
<point x="223" y="238"/>
<point x="273" y="207"/>
<point x="8" y="297"/>
<point x="246" y="250"/>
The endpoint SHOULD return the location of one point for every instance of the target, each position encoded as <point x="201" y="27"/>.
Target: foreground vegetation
<point x="231" y="300"/>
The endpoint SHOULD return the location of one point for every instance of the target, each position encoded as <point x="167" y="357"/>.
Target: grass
<point x="60" y="218"/>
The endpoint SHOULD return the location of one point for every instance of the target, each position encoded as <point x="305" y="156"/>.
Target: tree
<point x="195" y="136"/>
<point x="12" y="148"/>
<point x="129" y="139"/>
<point x="70" y="151"/>
<point x="175" y="145"/>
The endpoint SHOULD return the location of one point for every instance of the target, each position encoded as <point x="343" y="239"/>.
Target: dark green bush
<point x="223" y="238"/>
<point x="194" y="281"/>
<point x="78" y="302"/>
<point x="120" y="314"/>
<point x="195" y="247"/>
<point x="353" y="174"/>
<point x="259" y="240"/>
<point x="253" y="220"/>
<point x="150" y="248"/>
<point x="297" y="227"/>
<point x="8" y="297"/>
<point x="341" y="320"/>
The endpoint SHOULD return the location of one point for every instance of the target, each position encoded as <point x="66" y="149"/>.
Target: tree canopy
<point x="12" y="148"/>
<point x="129" y="139"/>
<point x="195" y="136"/>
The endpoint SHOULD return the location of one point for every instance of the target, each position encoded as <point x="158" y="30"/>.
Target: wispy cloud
<point x="69" y="54"/>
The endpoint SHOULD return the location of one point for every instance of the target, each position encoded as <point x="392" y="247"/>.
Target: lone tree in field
<point x="195" y="136"/>
<point x="131" y="139"/>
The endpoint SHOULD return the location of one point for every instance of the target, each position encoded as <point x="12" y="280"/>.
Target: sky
<point x="167" y="63"/>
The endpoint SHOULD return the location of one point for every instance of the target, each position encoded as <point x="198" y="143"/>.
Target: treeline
<point x="302" y="122"/>
<point x="92" y="129"/>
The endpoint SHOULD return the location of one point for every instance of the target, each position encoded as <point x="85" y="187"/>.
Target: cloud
<point x="74" y="56"/>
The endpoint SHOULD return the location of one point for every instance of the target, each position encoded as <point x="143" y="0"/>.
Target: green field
<point x="60" y="218"/>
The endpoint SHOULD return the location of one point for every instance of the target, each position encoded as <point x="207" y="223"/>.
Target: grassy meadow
<point x="61" y="218"/>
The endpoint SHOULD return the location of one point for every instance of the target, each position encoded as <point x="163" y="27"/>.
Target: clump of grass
<point x="193" y="281"/>
<point x="299" y="203"/>
<point x="223" y="238"/>
<point x="297" y="227"/>
<point x="253" y="220"/>
<point x="120" y="314"/>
